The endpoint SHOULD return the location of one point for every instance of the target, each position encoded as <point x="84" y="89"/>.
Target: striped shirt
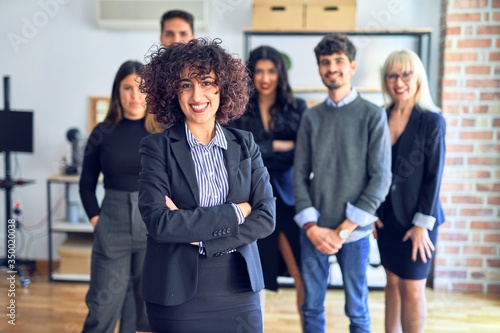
<point x="211" y="172"/>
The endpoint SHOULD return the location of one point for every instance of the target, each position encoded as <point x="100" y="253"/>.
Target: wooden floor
<point x="59" y="307"/>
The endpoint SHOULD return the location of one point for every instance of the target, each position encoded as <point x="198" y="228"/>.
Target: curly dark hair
<point x="161" y="78"/>
<point x="335" y="43"/>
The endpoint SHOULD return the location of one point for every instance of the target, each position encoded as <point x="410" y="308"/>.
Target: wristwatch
<point x="344" y="234"/>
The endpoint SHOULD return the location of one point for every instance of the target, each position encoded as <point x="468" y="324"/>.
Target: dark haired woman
<point x="204" y="194"/>
<point x="273" y="117"/>
<point x="119" y="233"/>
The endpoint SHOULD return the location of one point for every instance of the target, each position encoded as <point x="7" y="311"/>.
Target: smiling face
<point x="402" y="84"/>
<point x="336" y="70"/>
<point x="266" y="77"/>
<point x="199" y="98"/>
<point x="133" y="102"/>
<point x="176" y="30"/>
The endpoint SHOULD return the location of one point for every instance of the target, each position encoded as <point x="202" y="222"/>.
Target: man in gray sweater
<point x="342" y="174"/>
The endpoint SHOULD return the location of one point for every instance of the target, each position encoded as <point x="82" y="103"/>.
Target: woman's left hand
<point x="421" y="243"/>
<point x="170" y="204"/>
<point x="378" y="225"/>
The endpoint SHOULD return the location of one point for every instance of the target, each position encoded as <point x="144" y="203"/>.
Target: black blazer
<point x="171" y="264"/>
<point x="418" y="168"/>
<point x="279" y="165"/>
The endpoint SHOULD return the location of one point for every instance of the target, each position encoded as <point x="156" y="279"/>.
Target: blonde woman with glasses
<point x="407" y="228"/>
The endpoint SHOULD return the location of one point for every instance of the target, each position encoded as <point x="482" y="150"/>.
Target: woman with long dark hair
<point x="273" y="117"/>
<point x="119" y="233"/>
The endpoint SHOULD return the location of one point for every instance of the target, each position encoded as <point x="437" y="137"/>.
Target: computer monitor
<point x="16" y="131"/>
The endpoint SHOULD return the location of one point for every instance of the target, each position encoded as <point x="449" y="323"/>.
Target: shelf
<point x="374" y="32"/>
<point x="4" y="183"/>
<point x="64" y="179"/>
<point x="56" y="276"/>
<point x="421" y="35"/>
<point x="68" y="179"/>
<point x="65" y="226"/>
<point x="323" y="89"/>
<point x="80" y="229"/>
<point x="376" y="278"/>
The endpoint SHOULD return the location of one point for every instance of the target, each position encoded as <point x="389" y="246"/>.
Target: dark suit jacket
<point x="418" y="167"/>
<point x="280" y="165"/>
<point x="171" y="263"/>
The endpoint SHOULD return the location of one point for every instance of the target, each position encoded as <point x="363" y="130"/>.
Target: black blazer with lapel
<point x="418" y="168"/>
<point x="171" y="263"/>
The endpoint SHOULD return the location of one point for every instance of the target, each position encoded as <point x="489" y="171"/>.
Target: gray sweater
<point x="342" y="155"/>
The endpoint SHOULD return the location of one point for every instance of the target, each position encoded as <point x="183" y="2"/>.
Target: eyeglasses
<point x="393" y="77"/>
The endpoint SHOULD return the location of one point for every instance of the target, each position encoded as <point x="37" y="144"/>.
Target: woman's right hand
<point x="421" y="243"/>
<point x="245" y="207"/>
<point x="94" y="220"/>
<point x="281" y="146"/>
<point x="378" y="225"/>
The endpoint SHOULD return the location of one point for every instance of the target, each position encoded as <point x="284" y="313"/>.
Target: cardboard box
<point x="278" y="14"/>
<point x="76" y="253"/>
<point x="330" y="14"/>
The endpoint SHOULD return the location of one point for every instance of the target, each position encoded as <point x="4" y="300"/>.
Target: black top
<point x="386" y="210"/>
<point x="285" y="128"/>
<point x="286" y="125"/>
<point x="114" y="151"/>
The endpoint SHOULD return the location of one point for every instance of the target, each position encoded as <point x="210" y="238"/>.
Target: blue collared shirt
<point x="346" y="100"/>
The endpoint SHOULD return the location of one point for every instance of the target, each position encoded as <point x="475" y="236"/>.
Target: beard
<point x="332" y="84"/>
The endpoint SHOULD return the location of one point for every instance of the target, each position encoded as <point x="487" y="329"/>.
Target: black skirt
<point x="224" y="301"/>
<point x="272" y="261"/>
<point x="395" y="255"/>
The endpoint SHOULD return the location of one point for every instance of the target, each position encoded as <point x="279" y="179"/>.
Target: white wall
<point x="57" y="66"/>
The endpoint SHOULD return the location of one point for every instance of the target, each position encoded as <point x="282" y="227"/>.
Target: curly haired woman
<point x="204" y="195"/>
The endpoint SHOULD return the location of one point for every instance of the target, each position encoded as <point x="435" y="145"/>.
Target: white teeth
<point x="199" y="106"/>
